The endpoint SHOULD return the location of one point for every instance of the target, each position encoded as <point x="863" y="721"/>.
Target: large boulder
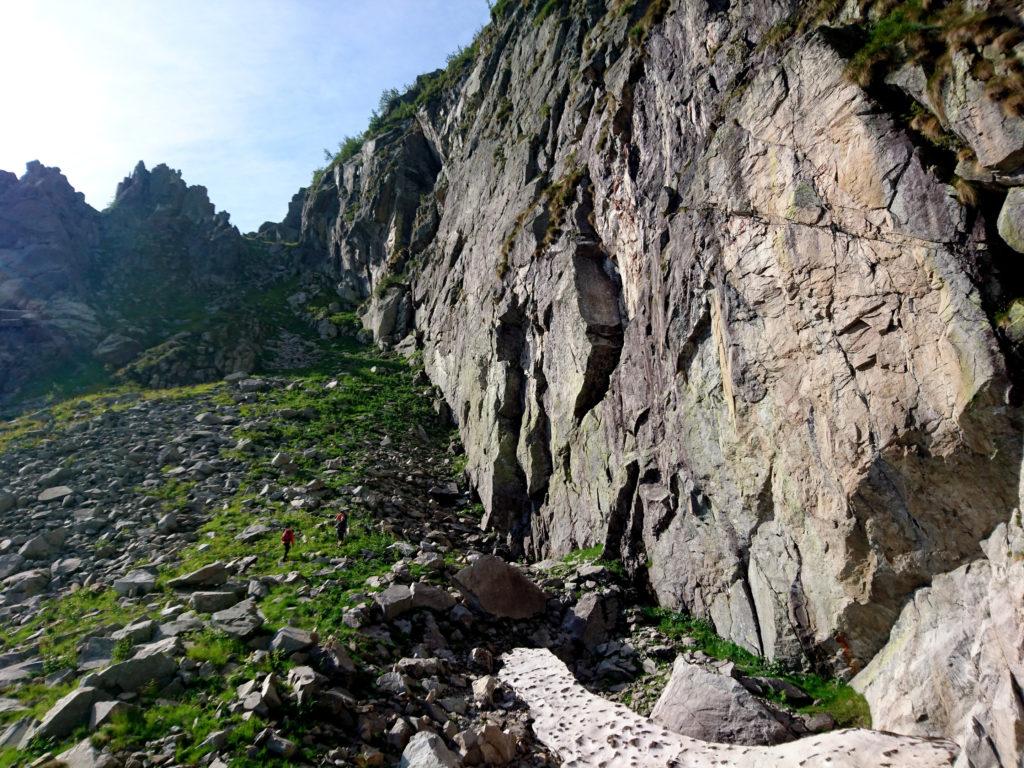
<point x="67" y="714"/>
<point x="10" y="565"/>
<point x="289" y="640"/>
<point x="54" y="493"/>
<point x="152" y="663"/>
<point x="428" y="596"/>
<point x="592" y="618"/>
<point x="714" y="707"/>
<point x="138" y="582"/>
<point x="212" y="575"/>
<point x="1011" y="219"/>
<point x="27" y="583"/>
<point x="428" y="750"/>
<point x="501" y="589"/>
<point x="242" y="620"/>
<point x="210" y="602"/>
<point x="394" y="601"/>
<point x="85" y="755"/>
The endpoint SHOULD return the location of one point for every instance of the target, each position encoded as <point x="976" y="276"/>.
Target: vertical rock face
<point x="692" y="293"/>
<point x="955" y="661"/>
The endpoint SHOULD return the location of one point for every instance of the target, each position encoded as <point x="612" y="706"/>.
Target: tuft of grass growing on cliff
<point x="831" y="696"/>
<point x="652" y="15"/>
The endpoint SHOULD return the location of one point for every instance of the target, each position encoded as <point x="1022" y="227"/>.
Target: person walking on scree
<point x="341" y="525"/>
<point x="287" y="538"/>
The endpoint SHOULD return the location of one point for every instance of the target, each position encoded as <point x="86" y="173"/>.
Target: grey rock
<point x="55" y="477"/>
<point x="242" y="620"/>
<point x="428" y="596"/>
<point x="22" y="670"/>
<point x="95" y="652"/>
<point x="428" y="750"/>
<point x="592" y="618"/>
<point x="18" y="733"/>
<point x="211" y="602"/>
<point x="952" y="665"/>
<point x="501" y="589"/>
<point x="394" y="601"/>
<point x="27" y="583"/>
<point x="85" y="755"/>
<point x="138" y="632"/>
<point x="66" y="714"/>
<point x="1011" y="219"/>
<point x="10" y="564"/>
<point x="291" y="640"/>
<point x="212" y="575"/>
<point x="105" y="711"/>
<point x="36" y="548"/>
<point x="138" y="582"/>
<point x="712" y="707"/>
<point x="117" y="350"/>
<point x="150" y="664"/>
<point x="56" y="493"/>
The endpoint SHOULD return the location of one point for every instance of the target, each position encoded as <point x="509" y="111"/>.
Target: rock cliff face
<point x="693" y="293"/>
<point x="81" y="288"/>
<point x="48" y="243"/>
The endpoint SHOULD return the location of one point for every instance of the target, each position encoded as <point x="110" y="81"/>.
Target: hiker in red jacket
<point x="341" y="525"/>
<point x="287" y="538"/>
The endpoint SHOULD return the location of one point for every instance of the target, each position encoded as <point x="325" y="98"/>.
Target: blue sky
<point x="241" y="95"/>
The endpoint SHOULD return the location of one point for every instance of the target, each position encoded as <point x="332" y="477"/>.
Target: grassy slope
<point x="374" y="397"/>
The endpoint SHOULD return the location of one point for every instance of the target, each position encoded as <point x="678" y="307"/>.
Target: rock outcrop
<point x="693" y="292"/>
<point x="709" y="306"/>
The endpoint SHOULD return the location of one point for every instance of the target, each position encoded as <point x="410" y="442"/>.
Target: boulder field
<point x="697" y="383"/>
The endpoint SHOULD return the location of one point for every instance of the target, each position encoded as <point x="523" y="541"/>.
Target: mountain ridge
<point x="729" y="292"/>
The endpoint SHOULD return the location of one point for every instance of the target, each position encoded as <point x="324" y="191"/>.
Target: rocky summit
<point x="643" y="388"/>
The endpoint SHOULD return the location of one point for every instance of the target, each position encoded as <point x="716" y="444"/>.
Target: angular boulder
<point x="138" y="582"/>
<point x="212" y="575"/>
<point x="289" y="640"/>
<point x="954" y="664"/>
<point x="242" y="621"/>
<point x="67" y="714"/>
<point x="431" y="597"/>
<point x="85" y="755"/>
<point x="713" y="707"/>
<point x="1011" y="219"/>
<point x="590" y="620"/>
<point x="151" y="664"/>
<point x="428" y="750"/>
<point x="501" y="589"/>
<point x="56" y="493"/>
<point x="211" y="602"/>
<point x="394" y="601"/>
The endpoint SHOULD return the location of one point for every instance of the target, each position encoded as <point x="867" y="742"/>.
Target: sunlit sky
<point x="241" y="95"/>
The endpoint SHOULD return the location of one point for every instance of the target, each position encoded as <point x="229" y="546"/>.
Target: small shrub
<point x="123" y="649"/>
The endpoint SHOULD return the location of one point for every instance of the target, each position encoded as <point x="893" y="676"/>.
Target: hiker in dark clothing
<point x="287" y="538"/>
<point x="341" y="525"/>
